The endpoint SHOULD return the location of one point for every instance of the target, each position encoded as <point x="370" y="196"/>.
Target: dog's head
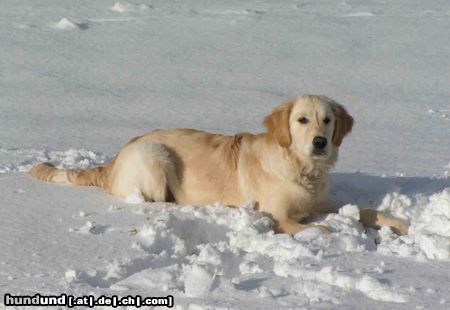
<point x="311" y="126"/>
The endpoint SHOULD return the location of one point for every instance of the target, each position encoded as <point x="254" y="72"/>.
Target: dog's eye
<point x="303" y="120"/>
<point x="326" y="120"/>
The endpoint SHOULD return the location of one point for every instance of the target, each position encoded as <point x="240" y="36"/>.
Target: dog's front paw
<point x="400" y="228"/>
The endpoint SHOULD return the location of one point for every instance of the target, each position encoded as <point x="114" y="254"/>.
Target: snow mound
<point x="429" y="231"/>
<point x="200" y="251"/>
<point x="66" y="24"/>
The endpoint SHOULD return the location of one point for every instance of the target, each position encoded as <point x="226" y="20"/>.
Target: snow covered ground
<point x="78" y="79"/>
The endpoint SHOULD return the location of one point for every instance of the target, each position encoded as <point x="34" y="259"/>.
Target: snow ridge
<point x="24" y="159"/>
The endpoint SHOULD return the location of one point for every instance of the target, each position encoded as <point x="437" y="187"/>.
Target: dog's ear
<point x="277" y="123"/>
<point x="343" y="123"/>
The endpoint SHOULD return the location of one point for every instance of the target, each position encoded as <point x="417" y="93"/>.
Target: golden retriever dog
<point x="283" y="171"/>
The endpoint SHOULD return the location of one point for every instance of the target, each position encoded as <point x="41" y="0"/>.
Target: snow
<point x="429" y="233"/>
<point x="135" y="197"/>
<point x="80" y="80"/>
<point x="65" y="24"/>
<point x="123" y="6"/>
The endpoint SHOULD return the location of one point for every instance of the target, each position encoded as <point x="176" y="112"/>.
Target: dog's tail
<point x="49" y="173"/>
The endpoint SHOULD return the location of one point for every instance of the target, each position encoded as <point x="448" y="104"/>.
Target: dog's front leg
<point x="371" y="218"/>
<point x="376" y="219"/>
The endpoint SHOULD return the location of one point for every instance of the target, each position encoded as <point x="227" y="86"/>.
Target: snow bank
<point x="199" y="251"/>
<point x="194" y="250"/>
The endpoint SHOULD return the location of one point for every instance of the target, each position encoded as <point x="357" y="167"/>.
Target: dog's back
<point x="191" y="166"/>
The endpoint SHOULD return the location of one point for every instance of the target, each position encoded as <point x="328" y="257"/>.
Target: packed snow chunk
<point x="209" y="254"/>
<point x="198" y="281"/>
<point x="248" y="266"/>
<point x="390" y="243"/>
<point x="65" y="24"/>
<point x="375" y="290"/>
<point x="434" y="247"/>
<point x="166" y="279"/>
<point x="160" y="238"/>
<point x="70" y="275"/>
<point x="433" y="238"/>
<point x="348" y="233"/>
<point x="135" y="197"/>
<point x="397" y="205"/>
<point x="309" y="233"/>
<point x="351" y="211"/>
<point x="278" y="247"/>
<point x="434" y="217"/>
<point x="429" y="232"/>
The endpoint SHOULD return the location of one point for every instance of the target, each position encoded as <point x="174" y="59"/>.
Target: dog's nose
<point x="319" y="142"/>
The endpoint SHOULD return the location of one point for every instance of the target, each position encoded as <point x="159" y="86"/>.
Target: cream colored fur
<point x="277" y="170"/>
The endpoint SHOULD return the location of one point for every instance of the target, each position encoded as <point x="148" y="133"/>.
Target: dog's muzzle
<point x="319" y="144"/>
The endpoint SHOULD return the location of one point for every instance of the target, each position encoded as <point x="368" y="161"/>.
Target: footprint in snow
<point x="91" y="227"/>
